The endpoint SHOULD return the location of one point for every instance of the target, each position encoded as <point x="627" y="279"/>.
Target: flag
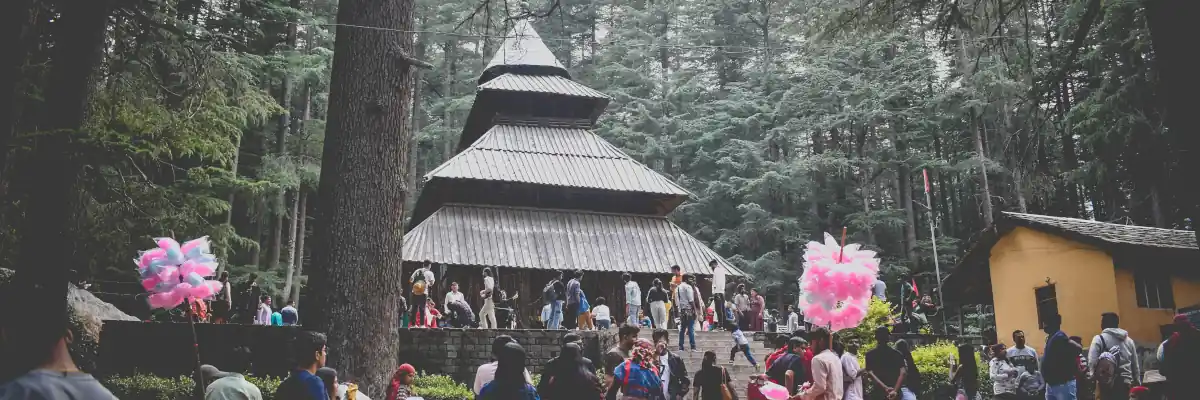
<point x="925" y="173"/>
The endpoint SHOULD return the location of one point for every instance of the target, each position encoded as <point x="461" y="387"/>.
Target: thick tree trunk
<point x="358" y="238"/>
<point x="49" y="172"/>
<point x="299" y="257"/>
<point x="294" y="217"/>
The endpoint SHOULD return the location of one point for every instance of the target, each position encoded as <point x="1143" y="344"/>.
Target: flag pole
<point x="937" y="269"/>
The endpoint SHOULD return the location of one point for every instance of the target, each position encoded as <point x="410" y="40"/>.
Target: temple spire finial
<point x="523" y="52"/>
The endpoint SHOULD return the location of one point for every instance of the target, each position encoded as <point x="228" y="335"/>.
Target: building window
<point x="1154" y="290"/>
<point x="1047" y="304"/>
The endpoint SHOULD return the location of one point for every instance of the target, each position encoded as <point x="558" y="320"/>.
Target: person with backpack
<point x="1113" y="360"/>
<point x="552" y="294"/>
<point x="637" y="378"/>
<point x="1058" y="365"/>
<point x="422" y="281"/>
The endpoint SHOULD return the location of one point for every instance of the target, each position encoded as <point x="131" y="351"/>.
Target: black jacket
<point x="548" y="391"/>
<point x="679" y="376"/>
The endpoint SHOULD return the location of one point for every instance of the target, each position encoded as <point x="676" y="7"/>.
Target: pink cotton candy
<point x="151" y="282"/>
<point x="773" y="391"/>
<point x="837" y="283"/>
<point x="166" y="300"/>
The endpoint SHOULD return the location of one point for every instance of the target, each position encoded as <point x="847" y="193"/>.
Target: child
<point x="602" y="314"/>
<point x="646" y="322"/>
<point x="740" y="344"/>
<point x="401" y="385"/>
<point x="432" y="314"/>
<point x="584" y="321"/>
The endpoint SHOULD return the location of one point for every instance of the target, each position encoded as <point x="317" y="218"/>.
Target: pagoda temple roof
<point x="555" y="157"/>
<point x="523" y="52"/>
<point x="549" y="84"/>
<point x="514" y="237"/>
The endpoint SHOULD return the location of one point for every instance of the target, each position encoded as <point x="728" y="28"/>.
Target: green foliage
<point x="440" y="387"/>
<point x="149" y="387"/>
<point x="879" y="313"/>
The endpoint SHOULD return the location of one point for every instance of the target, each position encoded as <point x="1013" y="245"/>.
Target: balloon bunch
<point x="836" y="283"/>
<point x="174" y="273"/>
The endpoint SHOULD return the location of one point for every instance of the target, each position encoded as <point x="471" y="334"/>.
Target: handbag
<point x="726" y="393"/>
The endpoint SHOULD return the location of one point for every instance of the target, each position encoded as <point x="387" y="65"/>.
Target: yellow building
<point x="1031" y="266"/>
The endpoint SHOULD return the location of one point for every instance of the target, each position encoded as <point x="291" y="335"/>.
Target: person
<point x="886" y="366"/>
<point x="757" y="305"/>
<point x="422" y="282"/>
<point x="741" y="302"/>
<point x="718" y="290"/>
<point x="626" y="339"/>
<point x="1003" y="373"/>
<point x="510" y="383"/>
<point x="227" y="385"/>
<point x="1180" y="361"/>
<point x="460" y="314"/>
<point x="571" y="377"/>
<point x="1021" y="355"/>
<point x="851" y="373"/>
<point x="1085" y="388"/>
<point x="550" y="386"/>
<point x="223" y="304"/>
<point x="781" y="348"/>
<point x="711" y="380"/>
<point x="348" y="390"/>
<point x="674" y="375"/>
<point x="912" y="377"/>
<point x="685" y="302"/>
<point x="263" y="317"/>
<point x="1128" y="369"/>
<point x="646" y="321"/>
<point x="547" y="312"/>
<point x="574" y="294"/>
<point x="585" y="313"/>
<point x="34" y="345"/>
<point x="289" y="314"/>
<point x="602" y="314"/>
<point x="276" y="318"/>
<point x="251" y="298"/>
<point x="637" y="378"/>
<point x="807" y="356"/>
<point x="553" y="294"/>
<point x="965" y="373"/>
<point x="788" y="369"/>
<point x="451" y="296"/>
<point x="633" y="298"/>
<point x="487" y="372"/>
<point x="879" y="289"/>
<point x="826" y="369"/>
<point x="403" y="308"/>
<point x="657" y="297"/>
<point x="990" y="338"/>
<point x="309" y="351"/>
<point x="487" y="313"/>
<point x="1059" y="365"/>
<point x="401" y="385"/>
<point x="740" y="344"/>
<point x="793" y="320"/>
<point x="432" y="315"/>
<point x="676" y="280"/>
<point x="329" y="377"/>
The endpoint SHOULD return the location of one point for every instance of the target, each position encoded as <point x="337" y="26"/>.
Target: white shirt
<point x="487" y="373"/>
<point x="793" y="322"/>
<point x="854" y="390"/>
<point x="718" y="279"/>
<point x="633" y="294"/>
<point x="1025" y="357"/>
<point x="264" y="315"/>
<point x="666" y="375"/>
<point x="1004" y="376"/>
<point x="601" y="313"/>
<point x="684" y="295"/>
<point x="827" y="377"/>
<point x="450" y="297"/>
<point x="546" y="313"/>
<point x="739" y="337"/>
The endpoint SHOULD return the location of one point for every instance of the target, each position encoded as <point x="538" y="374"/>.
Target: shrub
<point x="932" y="361"/>
<point x="879" y="313"/>
<point x="441" y="387"/>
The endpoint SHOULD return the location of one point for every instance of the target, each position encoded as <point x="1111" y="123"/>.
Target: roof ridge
<point x="549" y="210"/>
<point x="1092" y="221"/>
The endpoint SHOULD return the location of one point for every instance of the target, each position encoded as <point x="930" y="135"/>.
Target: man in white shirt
<point x="854" y="389"/>
<point x="1021" y="355"/>
<point x="718" y="290"/>
<point x="633" y="299"/>
<point x="685" y="303"/>
<point x="487" y="314"/>
<point x="793" y="320"/>
<point x="227" y="385"/>
<point x="451" y="296"/>
<point x="487" y="372"/>
<point x="264" y="311"/>
<point x="826" y="369"/>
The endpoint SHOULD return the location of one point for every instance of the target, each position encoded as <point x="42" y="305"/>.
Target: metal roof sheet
<point x="1109" y="232"/>
<point x="548" y="140"/>
<point x="555" y="239"/>
<point x="524" y="48"/>
<point x="541" y="84"/>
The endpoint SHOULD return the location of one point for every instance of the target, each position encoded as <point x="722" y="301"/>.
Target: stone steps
<point x="720" y="342"/>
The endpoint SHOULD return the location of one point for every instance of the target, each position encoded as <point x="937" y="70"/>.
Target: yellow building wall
<point x="1144" y="324"/>
<point x="1084" y="279"/>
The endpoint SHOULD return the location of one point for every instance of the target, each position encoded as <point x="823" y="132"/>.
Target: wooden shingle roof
<point x="1105" y="232"/>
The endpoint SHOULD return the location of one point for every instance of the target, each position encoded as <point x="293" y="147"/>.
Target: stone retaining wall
<point x="459" y="352"/>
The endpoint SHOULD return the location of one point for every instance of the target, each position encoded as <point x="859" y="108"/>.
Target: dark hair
<point x="1018" y="331"/>
<point x="710" y="360"/>
<point x="570" y="337"/>
<point x="328" y="376"/>
<point x="599" y="301"/>
<point x="306" y="346"/>
<point x="661" y="333"/>
<point x="627" y="330"/>
<point x="674" y="267"/>
<point x="499" y="342"/>
<point x="968" y="370"/>
<point x="741" y="287"/>
<point x="657" y="283"/>
<point x="510" y="372"/>
<point x="781" y="341"/>
<point x="730" y="326"/>
<point x="838" y="348"/>
<point x="820" y="333"/>
<point x="265" y="297"/>
<point x="795" y="343"/>
<point x="1054" y="320"/>
<point x="625" y="277"/>
<point x="577" y="372"/>
<point x="224" y="276"/>
<point x="487" y="272"/>
<point x="713" y="262"/>
<point x="26" y="345"/>
<point x="1109" y="320"/>
<point x="882" y="335"/>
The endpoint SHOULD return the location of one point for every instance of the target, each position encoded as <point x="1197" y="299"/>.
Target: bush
<point x="932" y="361"/>
<point x="441" y="387"/>
<point x="879" y="313"/>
